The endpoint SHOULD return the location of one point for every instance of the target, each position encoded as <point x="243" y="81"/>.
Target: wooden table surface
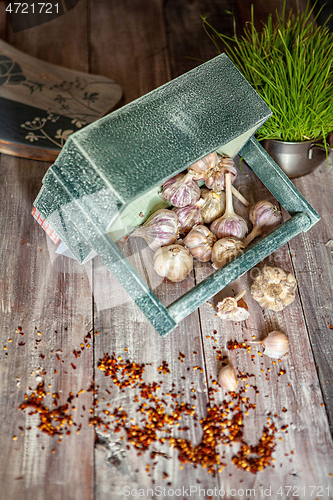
<point x="48" y="310"/>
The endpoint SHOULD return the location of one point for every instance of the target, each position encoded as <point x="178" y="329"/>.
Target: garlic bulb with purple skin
<point x="200" y="167"/>
<point x="230" y="224"/>
<point x="227" y="378"/>
<point x="173" y="262"/>
<point x="181" y="190"/>
<point x="162" y="228"/>
<point x="188" y="217"/>
<point x="265" y="217"/>
<point x="225" y="250"/>
<point x="276" y="344"/>
<point x="213" y="205"/>
<point x="200" y="241"/>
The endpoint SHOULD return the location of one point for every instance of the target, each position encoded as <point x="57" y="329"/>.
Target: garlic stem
<point x="240" y="295"/>
<point x="229" y="209"/>
<point x="256" y="231"/>
<point x="239" y="196"/>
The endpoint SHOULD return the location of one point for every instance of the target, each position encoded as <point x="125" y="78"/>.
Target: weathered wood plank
<point x="52" y="299"/>
<point x="312" y="261"/>
<point x="297" y="390"/>
<point x="139" y="65"/>
<point x="57" y="303"/>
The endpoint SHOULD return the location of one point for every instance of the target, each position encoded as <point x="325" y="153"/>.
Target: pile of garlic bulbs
<point x="205" y="218"/>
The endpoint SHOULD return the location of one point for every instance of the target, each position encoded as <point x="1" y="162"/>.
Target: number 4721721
<point x="38" y="8"/>
<point x="304" y="491"/>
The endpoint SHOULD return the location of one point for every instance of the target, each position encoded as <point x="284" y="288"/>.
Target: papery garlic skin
<point x="225" y="250"/>
<point x="231" y="225"/>
<point x="276" y="344"/>
<point x="200" y="241"/>
<point x="188" y="217"/>
<point x="173" y="262"/>
<point x="162" y="228"/>
<point x="274" y="289"/>
<point x="265" y="217"/>
<point x="181" y="190"/>
<point x="200" y="167"/>
<point x="229" y="310"/>
<point x="215" y="177"/>
<point x="227" y="378"/>
<point x="213" y="205"/>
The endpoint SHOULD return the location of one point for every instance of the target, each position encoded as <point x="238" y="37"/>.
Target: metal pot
<point x="296" y="158"/>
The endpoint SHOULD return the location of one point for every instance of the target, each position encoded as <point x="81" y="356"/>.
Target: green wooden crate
<point x="109" y="174"/>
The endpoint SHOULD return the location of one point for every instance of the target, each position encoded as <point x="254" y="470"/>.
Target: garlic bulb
<point x="160" y="229"/>
<point x="229" y="310"/>
<point x="181" y="190"/>
<point x="213" y="205"/>
<point x="276" y="344"/>
<point x="188" y="217"/>
<point x="230" y="224"/>
<point x="200" y="241"/>
<point x="225" y="250"/>
<point x="200" y="167"/>
<point x="274" y="288"/>
<point x="173" y="262"/>
<point x="215" y="176"/>
<point x="227" y="378"/>
<point x="264" y="217"/>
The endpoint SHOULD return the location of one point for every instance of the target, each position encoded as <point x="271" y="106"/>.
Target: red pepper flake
<point x="77" y="354"/>
<point x="181" y="357"/>
<point x="330" y="326"/>
<point x="233" y="344"/>
<point x="73" y="366"/>
<point x="21" y="343"/>
<point x="164" y="368"/>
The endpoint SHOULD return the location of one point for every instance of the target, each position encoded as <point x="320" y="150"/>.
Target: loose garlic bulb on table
<point x="227" y="378"/>
<point x="162" y="228"/>
<point x="276" y="344"/>
<point x="264" y="217"/>
<point x="225" y="250"/>
<point x="213" y="205"/>
<point x="229" y="310"/>
<point x="274" y="288"/>
<point x="181" y="190"/>
<point x="230" y="224"/>
<point x="200" y="241"/>
<point x="173" y="262"/>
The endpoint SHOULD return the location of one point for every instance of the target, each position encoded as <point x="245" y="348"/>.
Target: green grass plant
<point x="289" y="63"/>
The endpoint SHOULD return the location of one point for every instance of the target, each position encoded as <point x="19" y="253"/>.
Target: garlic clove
<point x="188" y="217"/>
<point x="229" y="310"/>
<point x="200" y="241"/>
<point x="181" y="190"/>
<point x="162" y="228"/>
<point x="173" y="262"/>
<point x="200" y="167"/>
<point x="273" y="288"/>
<point x="227" y="378"/>
<point x="225" y="250"/>
<point x="213" y="205"/>
<point x="276" y="344"/>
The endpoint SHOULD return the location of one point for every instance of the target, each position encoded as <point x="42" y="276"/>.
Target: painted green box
<point x="112" y="170"/>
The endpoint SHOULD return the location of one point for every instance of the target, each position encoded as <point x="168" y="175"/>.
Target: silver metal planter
<point x="296" y="158"/>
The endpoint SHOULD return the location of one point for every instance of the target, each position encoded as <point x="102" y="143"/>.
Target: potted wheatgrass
<point x="289" y="62"/>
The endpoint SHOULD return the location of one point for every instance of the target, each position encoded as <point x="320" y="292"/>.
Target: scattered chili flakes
<point x="123" y="373"/>
<point x="163" y="368"/>
<point x="181" y="357"/>
<point x="233" y="344"/>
